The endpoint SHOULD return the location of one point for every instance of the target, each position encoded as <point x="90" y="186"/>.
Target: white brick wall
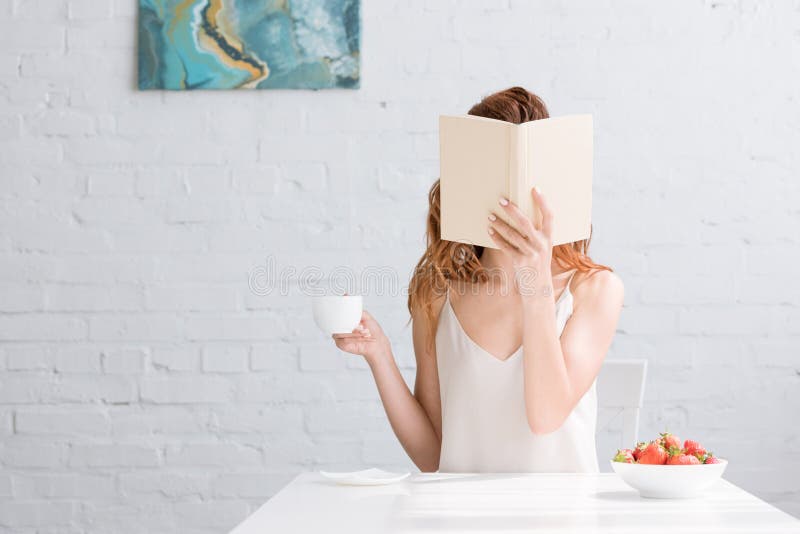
<point x="145" y="388"/>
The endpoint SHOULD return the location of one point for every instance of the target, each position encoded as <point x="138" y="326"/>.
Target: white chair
<point x="620" y="391"/>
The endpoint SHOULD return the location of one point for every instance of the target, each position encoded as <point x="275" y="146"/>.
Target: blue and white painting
<point x="249" y="44"/>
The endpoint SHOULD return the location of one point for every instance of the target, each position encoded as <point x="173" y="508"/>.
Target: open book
<point x="483" y="159"/>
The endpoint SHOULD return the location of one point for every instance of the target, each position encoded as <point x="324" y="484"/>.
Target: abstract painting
<point x="249" y="44"/>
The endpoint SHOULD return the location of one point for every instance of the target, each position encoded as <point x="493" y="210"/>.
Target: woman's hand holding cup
<point x="353" y="329"/>
<point x="367" y="339"/>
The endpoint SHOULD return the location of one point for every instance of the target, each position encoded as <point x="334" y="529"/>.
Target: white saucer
<point x="367" y="477"/>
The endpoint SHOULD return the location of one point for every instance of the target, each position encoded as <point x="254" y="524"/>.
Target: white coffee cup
<point x="337" y="314"/>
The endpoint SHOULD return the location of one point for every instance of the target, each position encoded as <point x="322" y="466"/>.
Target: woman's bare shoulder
<point x="598" y="283"/>
<point x="421" y="322"/>
<point x="419" y="315"/>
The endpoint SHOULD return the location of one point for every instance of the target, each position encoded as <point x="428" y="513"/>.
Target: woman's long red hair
<point x="446" y="262"/>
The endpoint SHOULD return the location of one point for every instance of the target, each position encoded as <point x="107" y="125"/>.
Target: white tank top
<point x="484" y="426"/>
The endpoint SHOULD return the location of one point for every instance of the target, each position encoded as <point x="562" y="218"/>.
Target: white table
<point x="508" y="503"/>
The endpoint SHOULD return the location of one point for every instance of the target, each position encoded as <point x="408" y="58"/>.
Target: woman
<point x="506" y="370"/>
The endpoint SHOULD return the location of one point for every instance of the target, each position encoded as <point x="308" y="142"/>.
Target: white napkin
<point x="367" y="477"/>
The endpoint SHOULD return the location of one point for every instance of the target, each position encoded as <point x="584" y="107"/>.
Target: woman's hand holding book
<point x="529" y="245"/>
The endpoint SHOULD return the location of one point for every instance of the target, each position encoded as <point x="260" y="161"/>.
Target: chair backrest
<point x="620" y="391"/>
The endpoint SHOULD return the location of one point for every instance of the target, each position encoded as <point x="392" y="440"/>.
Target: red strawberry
<point x="694" y="448"/>
<point x="637" y="451"/>
<point x="625" y="456"/>
<point x="653" y="454"/>
<point x="711" y="459"/>
<point x="674" y="451"/>
<point x="668" y="441"/>
<point x="683" y="459"/>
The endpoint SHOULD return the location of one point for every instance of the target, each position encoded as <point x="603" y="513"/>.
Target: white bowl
<point x="337" y="314"/>
<point x="669" y="481"/>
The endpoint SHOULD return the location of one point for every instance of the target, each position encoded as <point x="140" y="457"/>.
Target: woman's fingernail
<point x="538" y="191"/>
<point x="491" y="231"/>
<point x="503" y="201"/>
<point x="492" y="217"/>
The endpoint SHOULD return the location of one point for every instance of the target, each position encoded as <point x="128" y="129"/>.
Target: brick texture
<point x="146" y="385"/>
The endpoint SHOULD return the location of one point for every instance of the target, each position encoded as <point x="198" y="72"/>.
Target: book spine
<point x="518" y="180"/>
<point x="525" y="178"/>
<point x="516" y="163"/>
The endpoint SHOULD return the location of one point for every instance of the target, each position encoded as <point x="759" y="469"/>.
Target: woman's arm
<point x="557" y="372"/>
<point x="415" y="418"/>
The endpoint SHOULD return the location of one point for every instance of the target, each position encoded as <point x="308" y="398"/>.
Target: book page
<point x="560" y="164"/>
<point x="474" y="167"/>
